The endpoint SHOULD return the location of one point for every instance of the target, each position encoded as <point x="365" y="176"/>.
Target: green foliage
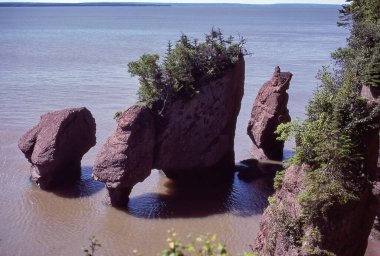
<point x="203" y="245"/>
<point x="150" y="77"/>
<point x="278" y="180"/>
<point x="117" y="115"/>
<point x="185" y="68"/>
<point x="332" y="139"/>
<point x="372" y="75"/>
<point x="94" y="243"/>
<point x="323" y="194"/>
<point x="362" y="52"/>
<point x="285" y="223"/>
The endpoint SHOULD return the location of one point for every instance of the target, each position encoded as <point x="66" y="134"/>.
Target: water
<point x="59" y="57"/>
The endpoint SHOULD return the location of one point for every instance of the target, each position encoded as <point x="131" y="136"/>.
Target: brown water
<point x="53" y="58"/>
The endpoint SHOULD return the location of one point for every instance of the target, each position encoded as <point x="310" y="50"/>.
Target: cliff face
<point x="269" y="110"/>
<point x="342" y="230"/>
<point x="372" y="95"/>
<point x="194" y="140"/>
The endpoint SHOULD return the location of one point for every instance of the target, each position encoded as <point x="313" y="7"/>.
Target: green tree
<point x="185" y="68"/>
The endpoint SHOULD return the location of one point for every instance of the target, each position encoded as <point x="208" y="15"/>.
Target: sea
<point x="72" y="56"/>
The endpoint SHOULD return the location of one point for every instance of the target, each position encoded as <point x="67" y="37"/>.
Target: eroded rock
<point x="56" y="145"/>
<point x="192" y="141"/>
<point x="269" y="110"/>
<point x="197" y="138"/>
<point x="127" y="156"/>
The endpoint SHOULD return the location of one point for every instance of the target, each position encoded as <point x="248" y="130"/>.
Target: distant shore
<point x="37" y="4"/>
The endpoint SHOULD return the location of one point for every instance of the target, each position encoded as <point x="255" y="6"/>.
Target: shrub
<point x="185" y="68"/>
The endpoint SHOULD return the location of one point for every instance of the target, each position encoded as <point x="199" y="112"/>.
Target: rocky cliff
<point x="343" y="231"/>
<point x="193" y="140"/>
<point x="269" y="110"/>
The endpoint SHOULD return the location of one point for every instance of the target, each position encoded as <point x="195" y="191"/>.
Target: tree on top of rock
<point x="186" y="67"/>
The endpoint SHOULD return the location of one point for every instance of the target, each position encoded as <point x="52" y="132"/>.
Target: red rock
<point x="269" y="110"/>
<point x="55" y="146"/>
<point x="197" y="138"/>
<point x="127" y="156"/>
<point x="194" y="140"/>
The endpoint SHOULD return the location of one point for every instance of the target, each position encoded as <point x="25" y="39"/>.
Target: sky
<point x="190" y="1"/>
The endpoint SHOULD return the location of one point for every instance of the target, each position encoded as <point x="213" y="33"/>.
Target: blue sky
<point x="192" y="1"/>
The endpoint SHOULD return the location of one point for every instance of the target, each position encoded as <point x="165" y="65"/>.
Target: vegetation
<point x="185" y="68"/>
<point x="200" y="246"/>
<point x="332" y="139"/>
<point x="94" y="243"/>
<point x="363" y="50"/>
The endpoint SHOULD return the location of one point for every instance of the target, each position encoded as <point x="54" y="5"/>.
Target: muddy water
<point x="54" y="58"/>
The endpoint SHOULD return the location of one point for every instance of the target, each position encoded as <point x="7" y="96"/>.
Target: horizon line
<point x="152" y="3"/>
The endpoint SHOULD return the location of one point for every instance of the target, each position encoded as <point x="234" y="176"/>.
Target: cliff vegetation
<point x="333" y="141"/>
<point x="186" y="66"/>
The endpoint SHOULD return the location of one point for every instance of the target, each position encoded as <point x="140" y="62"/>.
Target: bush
<point x="203" y="245"/>
<point x="184" y="69"/>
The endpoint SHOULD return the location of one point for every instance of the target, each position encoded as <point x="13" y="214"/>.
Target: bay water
<point x="59" y="57"/>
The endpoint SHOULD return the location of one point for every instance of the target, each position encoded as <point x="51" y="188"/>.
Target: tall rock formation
<point x="56" y="145"/>
<point x="269" y="110"/>
<point x="196" y="139"/>
<point x="193" y="140"/>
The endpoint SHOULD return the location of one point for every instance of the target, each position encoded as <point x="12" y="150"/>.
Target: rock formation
<point x="56" y="145"/>
<point x="269" y="110"/>
<point x="194" y="140"/>
<point x="197" y="136"/>
<point x="127" y="156"/>
<point x="343" y="230"/>
<point x="372" y="95"/>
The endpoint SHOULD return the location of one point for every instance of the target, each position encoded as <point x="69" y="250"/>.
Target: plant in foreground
<point x="92" y="246"/>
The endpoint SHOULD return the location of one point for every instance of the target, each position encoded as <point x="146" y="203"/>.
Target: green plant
<point x="185" y="68"/>
<point x="278" y="179"/>
<point x="94" y="243"/>
<point x="117" y="115"/>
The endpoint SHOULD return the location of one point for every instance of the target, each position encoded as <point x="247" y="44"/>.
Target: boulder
<point x="269" y="110"/>
<point x="193" y="140"/>
<point x="56" y="145"/>
<point x="127" y="156"/>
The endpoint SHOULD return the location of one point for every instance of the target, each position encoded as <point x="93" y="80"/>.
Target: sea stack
<point x="192" y="141"/>
<point x="269" y="110"/>
<point x="56" y="145"/>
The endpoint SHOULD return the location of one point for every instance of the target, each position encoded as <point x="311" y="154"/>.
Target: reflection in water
<point x="84" y="187"/>
<point x="180" y="201"/>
